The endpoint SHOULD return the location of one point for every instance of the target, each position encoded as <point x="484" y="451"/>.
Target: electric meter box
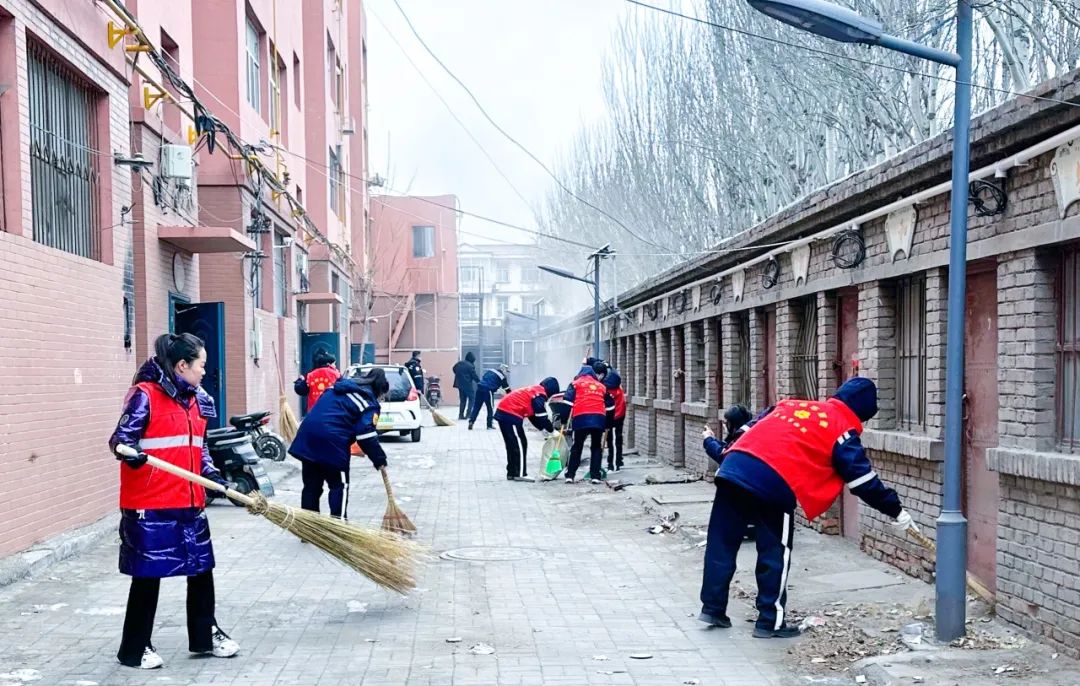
<point x="176" y="161"/>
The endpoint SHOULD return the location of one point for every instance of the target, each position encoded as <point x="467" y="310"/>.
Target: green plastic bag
<point x="554" y="454"/>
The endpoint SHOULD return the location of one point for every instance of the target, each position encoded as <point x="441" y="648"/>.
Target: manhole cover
<point x="485" y="554"/>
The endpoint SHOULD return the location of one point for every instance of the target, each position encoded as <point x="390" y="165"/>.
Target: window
<point x="335" y="183"/>
<point x="1068" y="351"/>
<point x="502" y="273"/>
<point x="469" y="310"/>
<point x="331" y="70"/>
<point x="63" y="159"/>
<point x="806" y="355"/>
<point x="522" y="352"/>
<point x="423" y="241"/>
<point x="301" y="261"/>
<point x="501" y="303"/>
<point x="254" y="65"/>
<point x="697" y="390"/>
<point x="335" y="285"/>
<point x="339" y="86"/>
<point x="530" y="275"/>
<point x="664" y="362"/>
<point x="911" y="353"/>
<point x="280" y="282"/>
<point x="170" y="111"/>
<point x="296" y="78"/>
<point x="468" y="275"/>
<point x="742" y="330"/>
<point x="277" y="76"/>
<point x="345" y="308"/>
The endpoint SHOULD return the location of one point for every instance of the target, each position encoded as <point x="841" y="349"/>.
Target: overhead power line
<point x="513" y="140"/>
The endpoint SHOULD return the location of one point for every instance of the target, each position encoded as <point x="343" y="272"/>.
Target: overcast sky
<point x="535" y="66"/>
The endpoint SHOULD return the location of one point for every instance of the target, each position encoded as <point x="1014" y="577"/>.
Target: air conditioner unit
<point x="256" y="343"/>
<point x="176" y="161"/>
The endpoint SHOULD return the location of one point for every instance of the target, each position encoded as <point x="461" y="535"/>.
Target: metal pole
<point x="596" y="307"/>
<point x="950" y="610"/>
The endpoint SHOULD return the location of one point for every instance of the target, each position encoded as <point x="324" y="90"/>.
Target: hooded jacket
<point x="316" y="382"/>
<point x="348" y="413"/>
<point x="493" y="380"/>
<point x="528" y="403"/>
<point x="814" y="448"/>
<point x="613" y="382"/>
<point x="465" y="377"/>
<point x="591" y="402"/>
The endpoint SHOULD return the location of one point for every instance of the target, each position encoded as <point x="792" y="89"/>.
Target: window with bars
<point x="469" y="310"/>
<point x="423" y="241"/>
<point x="253" y="58"/>
<point x="1068" y="351"/>
<point x="335" y="182"/>
<point x="697" y="389"/>
<point x="806" y="350"/>
<point x="64" y="176"/>
<point x="911" y="353"/>
<point x="521" y="352"/>
<point x="280" y="285"/>
<point x="742" y="381"/>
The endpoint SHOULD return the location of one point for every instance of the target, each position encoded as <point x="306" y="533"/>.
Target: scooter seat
<point x="224" y="434"/>
<point x="245" y="420"/>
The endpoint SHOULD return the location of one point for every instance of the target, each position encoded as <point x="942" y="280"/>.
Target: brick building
<point x="859" y="287"/>
<point x="117" y="223"/>
<point x="414" y="283"/>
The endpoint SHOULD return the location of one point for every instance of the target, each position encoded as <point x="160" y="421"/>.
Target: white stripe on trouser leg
<point x="783" y="573"/>
<point x="345" y="500"/>
<point x="519" y="435"/>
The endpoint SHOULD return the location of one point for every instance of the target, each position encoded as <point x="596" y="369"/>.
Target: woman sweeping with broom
<point x="163" y="528"/>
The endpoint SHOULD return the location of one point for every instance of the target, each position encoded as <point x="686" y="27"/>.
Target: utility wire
<point x="513" y="140"/>
<point x="826" y="53"/>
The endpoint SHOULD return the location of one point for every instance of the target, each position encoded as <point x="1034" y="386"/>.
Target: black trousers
<point x="517" y="448"/>
<point x="596" y="460"/>
<point x="465" y="399"/>
<point x="142" y="607"/>
<point x="733" y="509"/>
<point x="614" y="444"/>
<point x="314" y="475"/>
<point x="483" y="397"/>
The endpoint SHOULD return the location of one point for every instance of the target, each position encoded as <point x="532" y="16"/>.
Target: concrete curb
<point x="45" y="554"/>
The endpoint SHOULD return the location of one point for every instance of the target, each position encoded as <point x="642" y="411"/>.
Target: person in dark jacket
<point x="416" y="371"/>
<point x="529" y="402"/>
<point x="163" y="528"/>
<point x="348" y="413"/>
<point x="465" y="380"/>
<point x="493" y="380"/>
<point x="318" y="380"/>
<point x="799" y="451"/>
<point x="592" y="408"/>
<point x="613" y="382"/>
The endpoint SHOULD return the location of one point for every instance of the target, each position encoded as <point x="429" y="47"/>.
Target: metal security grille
<point x="63" y="156"/>
<point x="743" y="379"/>
<point x="911" y="353"/>
<point x="1068" y="351"/>
<point x="806" y="350"/>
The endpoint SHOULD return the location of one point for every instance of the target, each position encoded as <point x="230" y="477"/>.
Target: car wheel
<point x="415" y="435"/>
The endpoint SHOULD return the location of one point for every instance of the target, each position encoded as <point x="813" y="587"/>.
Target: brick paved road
<point x="590" y="583"/>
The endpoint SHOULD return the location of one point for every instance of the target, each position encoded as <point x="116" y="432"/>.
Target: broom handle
<point x="185" y="474"/>
<point x="277" y="366"/>
<point x="972" y="583"/>
<point x="386" y="482"/>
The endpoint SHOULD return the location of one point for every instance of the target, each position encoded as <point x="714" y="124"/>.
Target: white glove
<point x="707" y="432"/>
<point x="904" y="522"/>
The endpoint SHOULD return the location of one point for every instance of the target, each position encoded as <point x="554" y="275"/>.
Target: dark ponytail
<point x="170" y="349"/>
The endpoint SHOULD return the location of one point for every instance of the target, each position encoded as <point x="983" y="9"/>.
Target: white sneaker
<point x="595" y="482"/>
<point x="223" y="645"/>
<point x="569" y="479"/>
<point x="150" y="659"/>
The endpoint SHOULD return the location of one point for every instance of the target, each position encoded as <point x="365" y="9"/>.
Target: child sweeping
<point x="163" y="528"/>
<point x="348" y="413"/>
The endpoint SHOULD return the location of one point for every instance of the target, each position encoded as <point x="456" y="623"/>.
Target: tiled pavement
<point x="589" y="583"/>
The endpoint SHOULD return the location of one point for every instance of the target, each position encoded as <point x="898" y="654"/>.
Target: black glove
<point x="735" y="418"/>
<point x="134" y="461"/>
<point x="217" y="478"/>
<point x="378" y="462"/>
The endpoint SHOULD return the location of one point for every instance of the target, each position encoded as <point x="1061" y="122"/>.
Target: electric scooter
<point x="268" y="445"/>
<point x="234" y="456"/>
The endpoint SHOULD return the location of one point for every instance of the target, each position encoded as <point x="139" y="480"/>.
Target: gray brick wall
<point x="937" y="305"/>
<point x="877" y="346"/>
<point x="787" y="334"/>
<point x="827" y="338"/>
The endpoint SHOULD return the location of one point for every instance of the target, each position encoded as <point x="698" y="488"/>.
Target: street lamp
<point x="838" y="23"/>
<point x="595" y="283"/>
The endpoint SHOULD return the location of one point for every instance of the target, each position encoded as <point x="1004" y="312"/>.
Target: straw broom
<point x="439" y="417"/>
<point x="394" y="520"/>
<point x="973" y="584"/>
<point x="288" y="422"/>
<point x="383" y="557"/>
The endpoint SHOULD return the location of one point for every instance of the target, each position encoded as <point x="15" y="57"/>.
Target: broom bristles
<point x="288" y="423"/>
<point x="385" y="558"/>
<point x="440" y="418"/>
<point x="394" y="519"/>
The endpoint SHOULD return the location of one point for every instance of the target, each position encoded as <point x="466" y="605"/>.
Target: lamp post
<point x="838" y="23"/>
<point x="595" y="283"/>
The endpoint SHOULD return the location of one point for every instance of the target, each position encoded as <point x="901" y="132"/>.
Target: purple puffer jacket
<point x="165" y="542"/>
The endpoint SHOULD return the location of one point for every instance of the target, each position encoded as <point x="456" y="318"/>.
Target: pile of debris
<point x="839" y="637"/>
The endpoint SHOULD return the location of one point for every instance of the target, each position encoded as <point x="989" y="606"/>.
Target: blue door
<point x="207" y="321"/>
<point x="311" y="344"/>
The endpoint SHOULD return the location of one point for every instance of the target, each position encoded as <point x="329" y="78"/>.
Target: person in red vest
<point x="318" y="380"/>
<point x="529" y="402"/>
<point x="798" y="451"/>
<point x="591" y="407"/>
<point x="615" y="428"/>
<point x="163" y="528"/>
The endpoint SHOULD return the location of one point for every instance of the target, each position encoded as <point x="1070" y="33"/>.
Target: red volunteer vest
<point x="519" y="402"/>
<point x="175" y="434"/>
<point x="588" y="396"/>
<point x="620" y="401"/>
<point x="318" y="382"/>
<point x="797" y="439"/>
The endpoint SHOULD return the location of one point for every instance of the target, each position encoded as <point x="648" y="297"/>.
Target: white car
<point x="401" y="409"/>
